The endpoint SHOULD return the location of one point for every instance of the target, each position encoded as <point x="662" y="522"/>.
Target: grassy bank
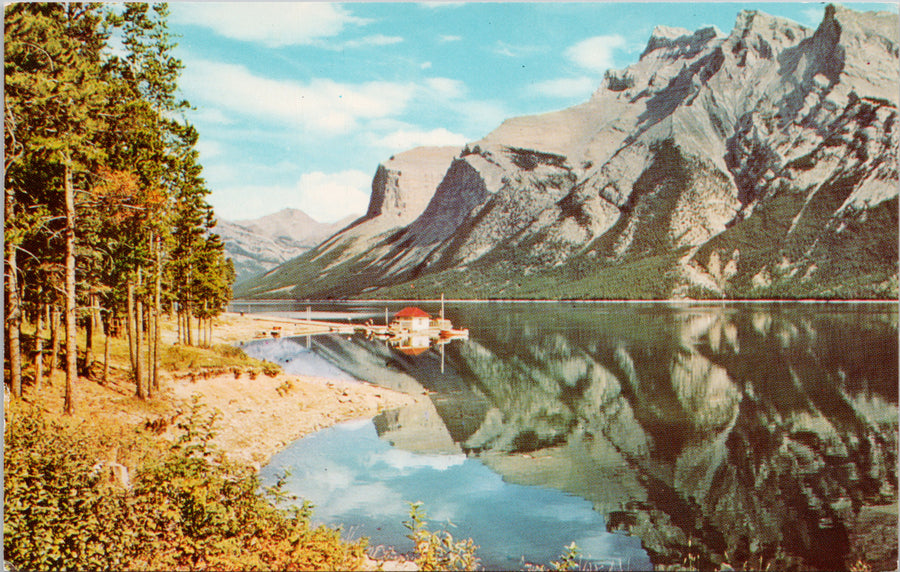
<point x="170" y="482"/>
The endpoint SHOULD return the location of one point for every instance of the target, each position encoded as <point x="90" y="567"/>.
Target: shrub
<point x="229" y="351"/>
<point x="271" y="369"/>
<point x="57" y="512"/>
<point x="188" y="508"/>
<point x="285" y="387"/>
<point x="569" y="559"/>
<point x="438" y="550"/>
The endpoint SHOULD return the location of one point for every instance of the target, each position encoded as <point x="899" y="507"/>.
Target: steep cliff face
<point x="404" y="185"/>
<point x="758" y="163"/>
<point x="402" y="188"/>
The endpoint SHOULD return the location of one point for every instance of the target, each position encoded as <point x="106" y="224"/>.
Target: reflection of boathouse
<point x="413" y="345"/>
<point x="411" y="319"/>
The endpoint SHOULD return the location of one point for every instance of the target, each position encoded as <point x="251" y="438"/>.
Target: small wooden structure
<point x="411" y="319"/>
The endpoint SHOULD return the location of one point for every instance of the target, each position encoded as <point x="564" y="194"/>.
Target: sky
<point x="297" y="103"/>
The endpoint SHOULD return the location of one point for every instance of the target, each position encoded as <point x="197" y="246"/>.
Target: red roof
<point x="411" y="312"/>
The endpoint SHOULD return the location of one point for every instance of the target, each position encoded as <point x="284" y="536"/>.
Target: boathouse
<point x="411" y="319"/>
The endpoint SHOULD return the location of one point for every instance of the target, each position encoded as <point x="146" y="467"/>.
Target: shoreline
<point x="263" y="301"/>
<point x="262" y="416"/>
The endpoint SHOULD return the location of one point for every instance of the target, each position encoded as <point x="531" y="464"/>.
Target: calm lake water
<point x="648" y="434"/>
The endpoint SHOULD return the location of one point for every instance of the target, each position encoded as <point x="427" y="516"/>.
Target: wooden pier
<point x="408" y="322"/>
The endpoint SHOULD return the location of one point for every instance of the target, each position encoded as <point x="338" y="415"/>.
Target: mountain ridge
<point x="258" y="245"/>
<point x="761" y="163"/>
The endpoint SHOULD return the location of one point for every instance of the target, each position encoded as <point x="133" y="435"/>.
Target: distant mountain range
<point x="761" y="163"/>
<point x="261" y="244"/>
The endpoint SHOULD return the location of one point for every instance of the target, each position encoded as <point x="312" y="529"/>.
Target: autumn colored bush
<point x="187" y="508"/>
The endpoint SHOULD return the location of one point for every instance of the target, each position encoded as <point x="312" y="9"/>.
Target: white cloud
<point x="403" y="460"/>
<point x="482" y="116"/>
<point x="320" y="104"/>
<point x="445" y="87"/>
<point x="404" y="139"/>
<point x="425" y="65"/>
<point x="326" y="197"/>
<point x="595" y="54"/>
<point x="210" y="115"/>
<point x="514" y="50"/>
<point x="449" y="38"/>
<point x="370" y="41"/>
<point x="813" y="15"/>
<point x="274" y="24"/>
<point x="208" y="149"/>
<point x="566" y="87"/>
<point x="442" y="4"/>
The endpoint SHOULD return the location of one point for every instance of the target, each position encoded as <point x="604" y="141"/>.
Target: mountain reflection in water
<point x="719" y="433"/>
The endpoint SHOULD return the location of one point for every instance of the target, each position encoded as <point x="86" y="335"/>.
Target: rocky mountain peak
<point x="678" y="42"/>
<point x="258" y="245"/>
<point x="860" y="50"/>
<point x="759" y="163"/>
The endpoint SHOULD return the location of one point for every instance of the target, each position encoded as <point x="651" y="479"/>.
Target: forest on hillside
<point x="107" y="223"/>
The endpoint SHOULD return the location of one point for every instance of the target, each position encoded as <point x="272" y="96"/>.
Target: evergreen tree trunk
<point x="98" y="318"/>
<point x="150" y="325"/>
<point x="13" y="304"/>
<point x="54" y="340"/>
<point x="139" y="340"/>
<point x="39" y="350"/>
<point x="91" y="330"/>
<point x="105" y="352"/>
<point x="71" y="341"/>
<point x="89" y="339"/>
<point x="13" y="322"/>
<point x="129" y="325"/>
<point x="187" y="325"/>
<point x="157" y="310"/>
<point x="205" y="323"/>
<point x="148" y="387"/>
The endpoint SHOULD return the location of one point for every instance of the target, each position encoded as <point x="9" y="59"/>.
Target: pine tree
<point x="105" y="204"/>
<point x="143" y="145"/>
<point x="55" y="88"/>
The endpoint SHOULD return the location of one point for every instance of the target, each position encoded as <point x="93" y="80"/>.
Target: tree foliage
<point x="104" y="191"/>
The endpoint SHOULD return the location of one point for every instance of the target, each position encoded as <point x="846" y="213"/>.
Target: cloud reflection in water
<point x="354" y="478"/>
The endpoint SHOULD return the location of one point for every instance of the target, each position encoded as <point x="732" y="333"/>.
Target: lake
<point x="646" y="433"/>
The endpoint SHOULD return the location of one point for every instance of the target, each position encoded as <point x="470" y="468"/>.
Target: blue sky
<point x="298" y="102"/>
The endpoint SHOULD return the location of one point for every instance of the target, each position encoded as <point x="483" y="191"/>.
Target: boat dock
<point x="288" y="327"/>
<point x="407" y="322"/>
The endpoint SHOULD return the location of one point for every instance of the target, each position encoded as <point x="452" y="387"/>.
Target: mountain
<point x="761" y="163"/>
<point x="262" y="244"/>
